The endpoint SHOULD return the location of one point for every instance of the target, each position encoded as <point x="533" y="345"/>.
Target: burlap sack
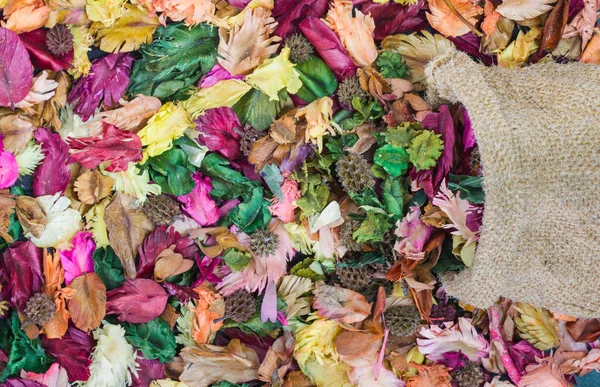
<point x="538" y="130"/>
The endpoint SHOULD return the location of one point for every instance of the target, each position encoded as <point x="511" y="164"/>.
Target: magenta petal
<point x="21" y="273"/>
<point x="149" y="370"/>
<point x="442" y="123"/>
<point x="392" y="18"/>
<point x="198" y="204"/>
<point x="217" y="74"/>
<point x="157" y="241"/>
<point x="9" y="169"/>
<point x="268" y="309"/>
<point x="523" y="354"/>
<point x="78" y="259"/>
<point x="72" y="352"/>
<point x="219" y="131"/>
<point x="468" y="134"/>
<point x="329" y="47"/>
<point x="52" y="175"/>
<point x="289" y="12"/>
<point x="137" y="301"/>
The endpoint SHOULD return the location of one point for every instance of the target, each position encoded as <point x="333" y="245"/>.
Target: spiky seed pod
<point x="386" y="247"/>
<point x="161" y="209"/>
<point x="240" y="306"/>
<point x="346" y="231"/>
<point x="354" y="173"/>
<point x="249" y="137"/>
<point x="353" y="278"/>
<point x="350" y="88"/>
<point x="402" y="320"/>
<point x="59" y="40"/>
<point x="469" y="376"/>
<point x="264" y="242"/>
<point x="40" y="308"/>
<point x="300" y="48"/>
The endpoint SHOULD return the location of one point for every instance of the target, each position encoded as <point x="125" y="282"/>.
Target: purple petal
<point x="268" y="309"/>
<point x="217" y="74"/>
<point x="392" y="18"/>
<point x="289" y="12"/>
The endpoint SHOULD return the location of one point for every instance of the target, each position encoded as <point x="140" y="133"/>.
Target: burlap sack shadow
<point x="538" y="130"/>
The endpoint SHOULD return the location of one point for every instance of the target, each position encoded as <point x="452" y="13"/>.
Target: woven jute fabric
<point x="538" y="131"/>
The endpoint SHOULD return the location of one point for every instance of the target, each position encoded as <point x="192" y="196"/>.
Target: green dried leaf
<point x="402" y="135"/>
<point x="253" y="214"/>
<point x="425" y="149"/>
<point x="373" y="228"/>
<point x="108" y="267"/>
<point x="391" y="65"/>
<point x="303" y="269"/>
<point x="154" y="338"/>
<point x="272" y="176"/>
<point x="227" y="183"/>
<point x="393" y="160"/>
<point x="393" y="196"/>
<point x="469" y="187"/>
<point x="317" y="79"/>
<point x="236" y="260"/>
<point x="256" y="108"/>
<point x="175" y="60"/>
<point x="314" y="200"/>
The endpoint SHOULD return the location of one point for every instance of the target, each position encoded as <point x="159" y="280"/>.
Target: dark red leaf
<point x="16" y="73"/>
<point x="35" y="43"/>
<point x="584" y="330"/>
<point x="329" y="47"/>
<point x="183" y="293"/>
<point x="393" y="18"/>
<point x="52" y="175"/>
<point x="21" y="383"/>
<point x="107" y="81"/>
<point x="469" y="43"/>
<point x="219" y="131"/>
<point x="72" y="352"/>
<point x="21" y="273"/>
<point x="149" y="370"/>
<point x="289" y="12"/>
<point x="115" y="145"/>
<point x="137" y="301"/>
<point x="157" y="241"/>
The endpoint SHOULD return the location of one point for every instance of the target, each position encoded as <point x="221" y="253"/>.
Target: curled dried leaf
<point x="453" y="17"/>
<point x="31" y="215"/>
<point x="127" y="227"/>
<point x="283" y="130"/>
<point x="169" y="263"/>
<point x="49" y="111"/>
<point x="7" y="208"/>
<point x="16" y="129"/>
<point x="91" y="187"/>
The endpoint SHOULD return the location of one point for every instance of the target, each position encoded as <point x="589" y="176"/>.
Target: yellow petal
<point x="276" y="74"/>
<point x="168" y="124"/>
<point x="318" y="116"/>
<point x="224" y="93"/>
<point x="520" y="49"/>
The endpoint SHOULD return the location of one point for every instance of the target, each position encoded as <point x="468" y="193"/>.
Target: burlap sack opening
<point x="538" y="130"/>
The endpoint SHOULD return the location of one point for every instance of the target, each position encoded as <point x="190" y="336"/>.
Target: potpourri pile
<point x="243" y="193"/>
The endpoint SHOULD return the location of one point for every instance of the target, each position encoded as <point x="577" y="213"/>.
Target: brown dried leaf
<point x="7" y="208"/>
<point x="446" y="19"/>
<point x="169" y="263"/>
<point x="49" y="111"/>
<point x="278" y="359"/>
<point x="127" y="228"/>
<point x="373" y="83"/>
<point x="262" y="150"/>
<point x="584" y="330"/>
<point x="591" y="54"/>
<point x="500" y="38"/>
<point x="555" y="25"/>
<point x="365" y="138"/>
<point x="434" y="216"/>
<point x="31" y="215"/>
<point x="91" y="187"/>
<point x="243" y="48"/>
<point x="17" y="131"/>
<point x="170" y="315"/>
<point x="225" y="240"/>
<point x="207" y="364"/>
<point x="88" y="304"/>
<point x="340" y="304"/>
<point x="297" y="379"/>
<point x="283" y="130"/>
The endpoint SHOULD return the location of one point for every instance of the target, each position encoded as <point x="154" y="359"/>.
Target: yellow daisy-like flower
<point x="223" y="93"/>
<point x="276" y="74"/>
<point x="168" y="124"/>
<point x="318" y="116"/>
<point x="317" y="341"/>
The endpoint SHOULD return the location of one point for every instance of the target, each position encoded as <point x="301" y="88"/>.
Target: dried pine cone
<point x="346" y="231"/>
<point x="59" y="40"/>
<point x="354" y="278"/>
<point x="402" y="320"/>
<point x="469" y="376"/>
<point x="264" y="242"/>
<point x="161" y="209"/>
<point x="40" y="308"/>
<point x="348" y="89"/>
<point x="300" y="48"/>
<point x="240" y="306"/>
<point x="249" y="137"/>
<point x="354" y="173"/>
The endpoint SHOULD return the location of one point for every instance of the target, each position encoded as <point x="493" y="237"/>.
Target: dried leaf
<point x="283" y="130"/>
<point x="277" y="360"/>
<point x="224" y="238"/>
<point x="555" y="25"/>
<point x="417" y="50"/>
<point x="524" y="9"/>
<point x="48" y="111"/>
<point x="7" y="208"/>
<point x="127" y="227"/>
<point x="132" y="28"/>
<point x="340" y="304"/>
<point x="31" y="215"/>
<point x="584" y="330"/>
<point x="15" y="69"/>
<point x="446" y="21"/>
<point x="88" y="304"/>
<point x="169" y="263"/>
<point x="537" y="326"/>
<point x="25" y="15"/>
<point x="499" y="39"/>
<point x="42" y="89"/>
<point x="592" y="51"/>
<point x="91" y="187"/>
<point x="208" y="364"/>
<point x="17" y="131"/>
<point x="131" y="116"/>
<point x="243" y="48"/>
<point x="137" y="301"/>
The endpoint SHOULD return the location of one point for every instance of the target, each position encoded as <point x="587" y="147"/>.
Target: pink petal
<point x="78" y="259"/>
<point x="198" y="204"/>
<point x="268" y="310"/>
